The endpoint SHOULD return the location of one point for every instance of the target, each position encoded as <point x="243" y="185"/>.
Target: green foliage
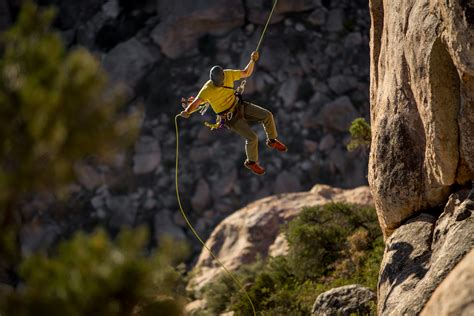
<point x="276" y="291"/>
<point x="221" y="293"/>
<point x="318" y="236"/>
<point x="55" y="108"/>
<point x="273" y="291"/>
<point x="360" y="133"/>
<point x="92" y="275"/>
<point x="332" y="245"/>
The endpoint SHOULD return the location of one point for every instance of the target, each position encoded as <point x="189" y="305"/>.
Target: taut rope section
<point x="239" y="284"/>
<point x="266" y="25"/>
<point x="241" y="88"/>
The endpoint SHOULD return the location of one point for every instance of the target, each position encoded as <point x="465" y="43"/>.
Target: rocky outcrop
<point x="202" y="198"/>
<point x="344" y="301"/>
<point x="185" y="22"/>
<point x="123" y="211"/>
<point x="164" y="227"/>
<point x="422" y="104"/>
<point x="38" y="236"/>
<point x="455" y="296"/>
<point x="421" y="253"/>
<point x="422" y="117"/>
<point x="253" y="230"/>
<point x="87" y="176"/>
<point x="338" y="114"/>
<point x="147" y="155"/>
<point x="129" y="61"/>
<point x="195" y="306"/>
<point x="258" y="10"/>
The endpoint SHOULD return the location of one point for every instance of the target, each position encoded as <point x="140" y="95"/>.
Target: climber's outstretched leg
<point x="256" y="113"/>
<point x="239" y="124"/>
<point x="241" y="127"/>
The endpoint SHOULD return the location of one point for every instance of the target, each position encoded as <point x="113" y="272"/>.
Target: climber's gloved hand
<point x="255" y="56"/>
<point x="184" y="114"/>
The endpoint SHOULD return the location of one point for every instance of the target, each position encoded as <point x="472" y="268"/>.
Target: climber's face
<point x="217" y="75"/>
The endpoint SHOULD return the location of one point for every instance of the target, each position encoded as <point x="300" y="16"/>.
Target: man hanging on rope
<point x="235" y="113"/>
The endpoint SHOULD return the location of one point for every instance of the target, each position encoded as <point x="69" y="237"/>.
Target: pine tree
<point x="93" y="275"/>
<point x="56" y="107"/>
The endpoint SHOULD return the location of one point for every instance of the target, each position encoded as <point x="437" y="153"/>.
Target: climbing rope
<point x="239" y="284"/>
<point x="240" y="89"/>
<point x="266" y="25"/>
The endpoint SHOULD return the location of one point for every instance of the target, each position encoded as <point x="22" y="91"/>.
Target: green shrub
<point x="360" y="134"/>
<point x="223" y="292"/>
<point x="318" y="236"/>
<point x="56" y="108"/>
<point x="274" y="291"/>
<point x="332" y="245"/>
<point x="93" y="275"/>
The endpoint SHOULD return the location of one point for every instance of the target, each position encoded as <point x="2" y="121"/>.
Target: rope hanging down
<point x="234" y="279"/>
<point x="242" y="87"/>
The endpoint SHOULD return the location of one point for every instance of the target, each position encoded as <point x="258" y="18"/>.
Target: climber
<point x="235" y="113"/>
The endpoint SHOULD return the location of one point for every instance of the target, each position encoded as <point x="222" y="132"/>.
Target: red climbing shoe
<point x="254" y="167"/>
<point x="276" y="144"/>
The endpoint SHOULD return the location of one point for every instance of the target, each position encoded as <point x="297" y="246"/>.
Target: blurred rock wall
<point x="313" y="75"/>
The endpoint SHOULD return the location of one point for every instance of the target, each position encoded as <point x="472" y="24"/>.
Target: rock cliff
<point x="421" y="164"/>
<point x="421" y="253"/>
<point x="455" y="296"/>
<point x="422" y="105"/>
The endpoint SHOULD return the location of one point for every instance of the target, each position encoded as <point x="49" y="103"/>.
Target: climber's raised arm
<point x="247" y="72"/>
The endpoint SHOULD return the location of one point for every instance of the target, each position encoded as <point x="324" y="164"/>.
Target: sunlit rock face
<point x="422" y="104"/>
<point x="421" y="253"/>
<point x="422" y="152"/>
<point x="455" y="296"/>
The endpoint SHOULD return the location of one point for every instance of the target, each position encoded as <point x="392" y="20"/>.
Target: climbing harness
<point x="225" y="115"/>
